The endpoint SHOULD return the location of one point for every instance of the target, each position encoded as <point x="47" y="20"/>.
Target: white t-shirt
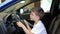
<point x="39" y="28"/>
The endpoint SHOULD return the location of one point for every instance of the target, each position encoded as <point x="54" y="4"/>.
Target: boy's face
<point x="33" y="16"/>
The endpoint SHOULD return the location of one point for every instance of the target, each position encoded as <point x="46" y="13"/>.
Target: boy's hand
<point x="26" y="22"/>
<point x="20" y="24"/>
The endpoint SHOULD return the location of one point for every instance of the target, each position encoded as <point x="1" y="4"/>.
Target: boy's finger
<point x="25" y="21"/>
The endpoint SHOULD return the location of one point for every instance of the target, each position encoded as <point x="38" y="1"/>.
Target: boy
<point x="36" y="14"/>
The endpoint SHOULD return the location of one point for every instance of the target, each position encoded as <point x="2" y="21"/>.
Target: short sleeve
<point x="36" y="30"/>
<point x="39" y="29"/>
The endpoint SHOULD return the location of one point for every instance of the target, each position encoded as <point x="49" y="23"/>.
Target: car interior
<point x="13" y="10"/>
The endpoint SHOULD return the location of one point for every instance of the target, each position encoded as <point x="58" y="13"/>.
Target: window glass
<point x="46" y="4"/>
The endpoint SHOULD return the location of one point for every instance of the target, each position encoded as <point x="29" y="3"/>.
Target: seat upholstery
<point x="54" y="27"/>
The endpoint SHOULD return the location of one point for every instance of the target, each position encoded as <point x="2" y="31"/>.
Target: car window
<point x="46" y="5"/>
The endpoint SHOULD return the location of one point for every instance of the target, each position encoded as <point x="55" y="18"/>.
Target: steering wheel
<point x="11" y="21"/>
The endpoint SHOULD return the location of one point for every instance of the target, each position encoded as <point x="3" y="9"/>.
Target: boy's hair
<point x="38" y="11"/>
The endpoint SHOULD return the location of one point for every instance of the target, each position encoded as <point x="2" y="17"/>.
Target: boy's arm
<point x="24" y="28"/>
<point x="27" y="25"/>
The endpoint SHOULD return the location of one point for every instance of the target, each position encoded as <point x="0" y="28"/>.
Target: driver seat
<point x="55" y="26"/>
